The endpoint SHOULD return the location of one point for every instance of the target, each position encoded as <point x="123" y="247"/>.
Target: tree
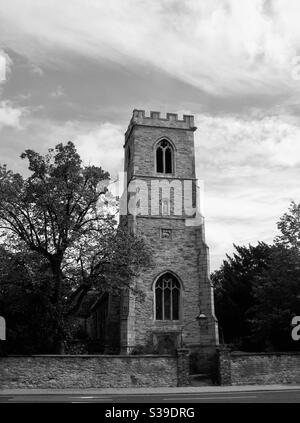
<point x="62" y="213"/>
<point x="289" y="226"/>
<point x="276" y="297"/>
<point x="257" y="291"/>
<point x="276" y="290"/>
<point x="25" y="303"/>
<point x="233" y="286"/>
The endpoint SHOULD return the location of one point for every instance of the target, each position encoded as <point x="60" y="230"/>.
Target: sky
<point x="75" y="70"/>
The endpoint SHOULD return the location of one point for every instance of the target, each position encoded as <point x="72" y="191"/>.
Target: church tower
<point x="177" y="308"/>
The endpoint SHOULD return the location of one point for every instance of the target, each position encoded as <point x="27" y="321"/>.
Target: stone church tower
<point x="162" y="206"/>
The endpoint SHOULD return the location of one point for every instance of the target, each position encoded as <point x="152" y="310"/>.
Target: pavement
<point x="147" y="391"/>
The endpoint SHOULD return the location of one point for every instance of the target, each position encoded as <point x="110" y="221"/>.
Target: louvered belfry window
<point x="164" y="157"/>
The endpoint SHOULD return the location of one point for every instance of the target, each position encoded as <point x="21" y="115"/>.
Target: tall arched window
<point x="164" y="157"/>
<point x="167" y="297"/>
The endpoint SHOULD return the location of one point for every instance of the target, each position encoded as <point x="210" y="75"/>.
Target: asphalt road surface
<point x="278" y="396"/>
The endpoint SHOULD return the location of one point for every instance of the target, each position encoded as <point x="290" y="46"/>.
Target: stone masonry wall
<point x="183" y="252"/>
<point x="237" y="368"/>
<point x="180" y="254"/>
<point x="87" y="371"/>
<point x="143" y="151"/>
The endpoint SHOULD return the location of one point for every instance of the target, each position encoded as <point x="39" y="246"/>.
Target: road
<point x="257" y="396"/>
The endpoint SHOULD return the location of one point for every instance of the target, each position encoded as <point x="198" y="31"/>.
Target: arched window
<point x="167" y="297"/>
<point x="164" y="157"/>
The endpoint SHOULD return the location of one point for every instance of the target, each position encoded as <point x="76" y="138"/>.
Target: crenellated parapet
<point x="155" y="120"/>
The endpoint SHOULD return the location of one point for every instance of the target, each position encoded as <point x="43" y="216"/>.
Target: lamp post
<point x="200" y="318"/>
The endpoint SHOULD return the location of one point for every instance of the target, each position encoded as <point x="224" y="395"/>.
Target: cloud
<point x="245" y="141"/>
<point x="9" y="116"/>
<point x="251" y="168"/>
<point x="102" y="146"/>
<point x="223" y="46"/>
<point x="240" y="52"/>
<point x="98" y="144"/>
<point x="222" y="236"/>
<point x="58" y="92"/>
<point x="37" y="70"/>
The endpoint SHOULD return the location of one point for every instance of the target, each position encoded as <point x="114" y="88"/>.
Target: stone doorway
<point x="203" y="368"/>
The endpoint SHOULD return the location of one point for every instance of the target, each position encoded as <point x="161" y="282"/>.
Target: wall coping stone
<point x="253" y="354"/>
<point x="92" y="356"/>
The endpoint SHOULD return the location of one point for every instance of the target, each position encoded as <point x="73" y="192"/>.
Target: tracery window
<point x="167" y="297"/>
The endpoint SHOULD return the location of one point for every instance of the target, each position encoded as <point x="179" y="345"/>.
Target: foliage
<point x="257" y="291"/>
<point x="289" y="226"/>
<point x="64" y="215"/>
<point x="24" y="301"/>
<point x="233" y="285"/>
<point x="276" y="300"/>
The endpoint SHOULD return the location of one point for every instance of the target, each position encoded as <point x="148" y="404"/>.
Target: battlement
<point x="170" y="121"/>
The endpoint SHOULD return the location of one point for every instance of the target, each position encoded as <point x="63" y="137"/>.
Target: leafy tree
<point x="25" y="302"/>
<point x="63" y="214"/>
<point x="257" y="291"/>
<point x="233" y="286"/>
<point x="289" y="226"/>
<point x="276" y="290"/>
<point x="276" y="300"/>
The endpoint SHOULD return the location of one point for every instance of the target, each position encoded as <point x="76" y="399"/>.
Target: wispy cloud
<point x="221" y="46"/>
<point x="243" y="141"/>
<point x="250" y="168"/>
<point x="58" y="92"/>
<point x="99" y="60"/>
<point x="37" y="70"/>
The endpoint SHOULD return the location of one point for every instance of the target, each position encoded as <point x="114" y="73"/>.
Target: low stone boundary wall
<point x="239" y="368"/>
<point x="93" y="371"/>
